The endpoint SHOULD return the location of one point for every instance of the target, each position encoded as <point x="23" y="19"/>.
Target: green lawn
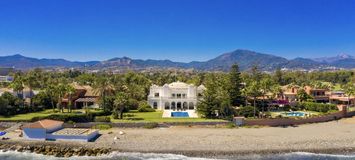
<point x="134" y="116"/>
<point x="47" y="112"/>
<point x="27" y="116"/>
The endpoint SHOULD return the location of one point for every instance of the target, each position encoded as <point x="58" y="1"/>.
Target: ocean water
<point x="13" y="155"/>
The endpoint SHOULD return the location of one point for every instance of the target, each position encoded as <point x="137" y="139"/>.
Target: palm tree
<point x="51" y="91"/>
<point x="266" y="87"/>
<point x="17" y="86"/>
<point x="349" y="90"/>
<point x="119" y="105"/>
<point x="60" y="92"/>
<point x="30" y="81"/>
<point x="103" y="87"/>
<point x="70" y="91"/>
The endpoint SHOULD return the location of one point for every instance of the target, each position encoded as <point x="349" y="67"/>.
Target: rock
<point x="122" y="133"/>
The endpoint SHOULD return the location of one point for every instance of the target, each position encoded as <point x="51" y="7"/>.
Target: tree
<point x="215" y="100"/>
<point x="103" y="87"/>
<point x="253" y="87"/>
<point x="119" y="105"/>
<point x="70" y="91"/>
<point x="303" y="96"/>
<point x="17" y="86"/>
<point x="278" y="76"/>
<point x="253" y="90"/>
<point x="349" y="90"/>
<point x="31" y="80"/>
<point x="266" y="86"/>
<point x="51" y="91"/>
<point x="235" y="86"/>
<point x="60" y="92"/>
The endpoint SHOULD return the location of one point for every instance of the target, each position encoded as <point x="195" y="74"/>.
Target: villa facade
<point x="175" y="96"/>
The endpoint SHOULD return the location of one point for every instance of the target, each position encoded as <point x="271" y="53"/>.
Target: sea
<point x="13" y="155"/>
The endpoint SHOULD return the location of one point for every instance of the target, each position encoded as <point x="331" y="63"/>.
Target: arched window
<point x="173" y="106"/>
<point x="167" y="105"/>
<point x="178" y="105"/>
<point x="184" y="105"/>
<point x="155" y="105"/>
<point x="191" y="105"/>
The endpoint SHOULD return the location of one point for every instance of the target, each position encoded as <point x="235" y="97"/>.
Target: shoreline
<point x="34" y="147"/>
<point x="208" y="142"/>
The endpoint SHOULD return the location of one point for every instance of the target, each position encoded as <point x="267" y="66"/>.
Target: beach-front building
<point x="53" y="130"/>
<point x="176" y="96"/>
<point x="5" y="74"/>
<point x="341" y="100"/>
<point x="83" y="97"/>
<point x="318" y="94"/>
<point x="25" y="94"/>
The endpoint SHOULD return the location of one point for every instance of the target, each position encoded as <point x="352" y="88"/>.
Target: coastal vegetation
<point x="122" y="97"/>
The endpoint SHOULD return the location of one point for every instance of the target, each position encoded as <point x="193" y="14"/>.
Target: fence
<point x="292" y="121"/>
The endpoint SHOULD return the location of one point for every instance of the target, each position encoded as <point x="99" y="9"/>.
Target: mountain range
<point x="244" y="58"/>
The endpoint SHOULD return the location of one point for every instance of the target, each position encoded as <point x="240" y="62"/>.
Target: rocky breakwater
<point x="57" y="151"/>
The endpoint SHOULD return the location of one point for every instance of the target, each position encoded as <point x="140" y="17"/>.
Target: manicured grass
<point x="47" y="112"/>
<point x="134" y="116"/>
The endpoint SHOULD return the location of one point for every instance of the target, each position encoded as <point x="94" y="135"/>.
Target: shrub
<point x="230" y="125"/>
<point x="145" y="107"/>
<point x="150" y="125"/>
<point x="102" y="119"/>
<point x="318" y="107"/>
<point x="247" y="111"/>
<point x="65" y="117"/>
<point x="102" y="126"/>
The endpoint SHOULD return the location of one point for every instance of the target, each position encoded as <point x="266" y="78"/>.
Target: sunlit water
<point x="13" y="155"/>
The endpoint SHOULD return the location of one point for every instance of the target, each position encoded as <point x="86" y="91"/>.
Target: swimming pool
<point x="295" y="114"/>
<point x="179" y="114"/>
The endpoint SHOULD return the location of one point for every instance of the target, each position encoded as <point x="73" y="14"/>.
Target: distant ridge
<point x="244" y="58"/>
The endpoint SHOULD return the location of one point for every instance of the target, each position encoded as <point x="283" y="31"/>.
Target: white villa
<point x="176" y="96"/>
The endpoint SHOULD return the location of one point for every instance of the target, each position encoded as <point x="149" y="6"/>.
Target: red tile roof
<point x="45" y="124"/>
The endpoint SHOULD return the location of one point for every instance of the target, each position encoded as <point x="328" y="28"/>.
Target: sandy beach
<point x="329" y="137"/>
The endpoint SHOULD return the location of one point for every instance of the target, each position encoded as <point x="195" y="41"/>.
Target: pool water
<point x="295" y="114"/>
<point x="179" y="114"/>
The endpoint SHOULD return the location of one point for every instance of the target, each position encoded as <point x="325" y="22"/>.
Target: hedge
<point x="318" y="107"/>
<point x="71" y="117"/>
<point x="102" y="119"/>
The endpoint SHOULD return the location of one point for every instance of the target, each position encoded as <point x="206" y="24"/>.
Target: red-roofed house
<point x="39" y="129"/>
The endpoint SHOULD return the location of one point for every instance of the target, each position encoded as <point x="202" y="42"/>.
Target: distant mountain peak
<point x="243" y="57"/>
<point x="344" y="56"/>
<point x="16" y="55"/>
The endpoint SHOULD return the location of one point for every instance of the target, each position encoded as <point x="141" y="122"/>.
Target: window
<point x="173" y="107"/>
<point x="173" y="95"/>
<point x="183" y="95"/>
<point x="184" y="105"/>
<point x="191" y="105"/>
<point x="167" y="105"/>
<point x="199" y="95"/>
<point x="178" y="95"/>
<point x="155" y="105"/>
<point x="156" y="94"/>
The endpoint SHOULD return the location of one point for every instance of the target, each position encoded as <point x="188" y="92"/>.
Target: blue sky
<point x="180" y="30"/>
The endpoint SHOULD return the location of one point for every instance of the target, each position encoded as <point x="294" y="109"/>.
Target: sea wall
<point x="52" y="149"/>
<point x="293" y="121"/>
